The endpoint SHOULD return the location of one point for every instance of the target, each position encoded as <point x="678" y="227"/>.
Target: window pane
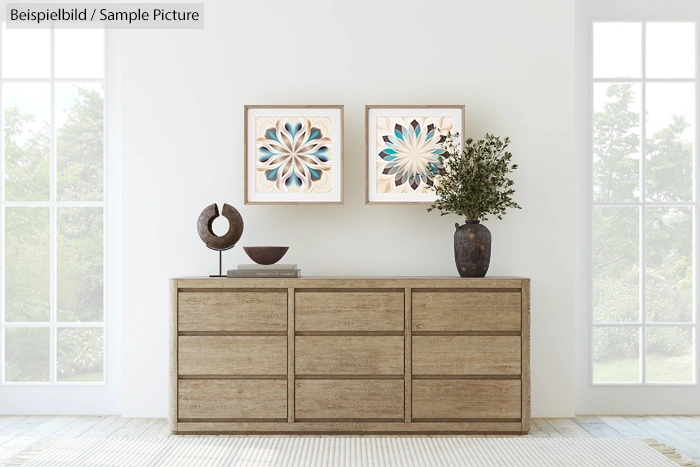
<point x="27" y="355"/>
<point x="617" y="50"/>
<point x="670" y="50"/>
<point x="26" y="53"/>
<point x="615" y="264"/>
<point x="27" y="264"/>
<point x="80" y="245"/>
<point x="669" y="355"/>
<point x="616" y="355"/>
<point x="670" y="140"/>
<point x="616" y="136"/>
<point x="79" y="53"/>
<point x="79" y="142"/>
<point x="26" y="141"/>
<point x="80" y="355"/>
<point x="669" y="264"/>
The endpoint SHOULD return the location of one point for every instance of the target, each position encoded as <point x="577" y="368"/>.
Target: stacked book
<point x="262" y="270"/>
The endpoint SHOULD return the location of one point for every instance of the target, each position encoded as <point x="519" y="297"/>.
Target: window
<point x="52" y="184"/>
<point x="644" y="203"/>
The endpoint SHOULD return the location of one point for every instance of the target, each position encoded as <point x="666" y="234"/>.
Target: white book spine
<point x="264" y="273"/>
<point x="262" y="267"/>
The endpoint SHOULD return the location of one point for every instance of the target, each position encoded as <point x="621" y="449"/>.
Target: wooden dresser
<point x="350" y="355"/>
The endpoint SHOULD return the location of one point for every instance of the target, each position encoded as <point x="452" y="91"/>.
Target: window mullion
<point x="53" y="215"/>
<point x="645" y="80"/>
<point x="662" y="204"/>
<point x="591" y="204"/>
<point x="637" y="324"/>
<point x="48" y="204"/>
<point x="642" y="214"/>
<point x="2" y="224"/>
<point x="105" y="217"/>
<point x="64" y="324"/>
<point x="696" y="174"/>
<point x="54" y="80"/>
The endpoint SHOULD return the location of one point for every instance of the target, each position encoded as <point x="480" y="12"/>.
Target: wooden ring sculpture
<point x="229" y="239"/>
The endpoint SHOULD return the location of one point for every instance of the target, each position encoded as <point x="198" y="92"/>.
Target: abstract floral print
<point x="293" y="155"/>
<point x="406" y="147"/>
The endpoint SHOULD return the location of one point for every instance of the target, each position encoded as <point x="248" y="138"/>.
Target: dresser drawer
<point x="450" y="399"/>
<point x="232" y="311"/>
<point x="349" y="311"/>
<point x="466" y="311"/>
<point x="232" y="355"/>
<point x="349" y="355"/>
<point x="349" y="399"/>
<point x="466" y="355"/>
<point x="206" y="399"/>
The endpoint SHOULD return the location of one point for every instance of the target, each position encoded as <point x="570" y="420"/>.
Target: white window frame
<point x="642" y="397"/>
<point x="76" y="397"/>
<point x="642" y="204"/>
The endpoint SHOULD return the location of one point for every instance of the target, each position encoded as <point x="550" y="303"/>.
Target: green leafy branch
<point x="474" y="182"/>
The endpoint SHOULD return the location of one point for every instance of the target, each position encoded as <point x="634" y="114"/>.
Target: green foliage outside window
<point x="79" y="241"/>
<point x="616" y="269"/>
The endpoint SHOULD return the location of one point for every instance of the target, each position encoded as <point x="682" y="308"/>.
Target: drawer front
<point x="348" y="399"/>
<point x="232" y="311"/>
<point x="466" y="311"/>
<point x="349" y="355"/>
<point x="466" y="355"/>
<point x="232" y="355"/>
<point x="206" y="399"/>
<point x="450" y="399"/>
<point x="349" y="311"/>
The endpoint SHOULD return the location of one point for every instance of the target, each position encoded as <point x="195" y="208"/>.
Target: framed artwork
<point x="293" y="154"/>
<point x="401" y="140"/>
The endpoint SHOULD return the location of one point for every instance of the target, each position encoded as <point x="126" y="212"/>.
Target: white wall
<point x="510" y="63"/>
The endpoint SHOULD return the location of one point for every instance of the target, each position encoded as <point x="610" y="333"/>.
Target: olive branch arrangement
<point x="474" y="182"/>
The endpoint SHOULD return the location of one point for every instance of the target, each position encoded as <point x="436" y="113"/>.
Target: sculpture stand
<point x="219" y="275"/>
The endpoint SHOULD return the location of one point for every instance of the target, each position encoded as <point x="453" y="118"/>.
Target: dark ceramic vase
<point x="472" y="249"/>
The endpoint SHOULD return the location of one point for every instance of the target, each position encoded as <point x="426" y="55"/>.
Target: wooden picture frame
<point x="275" y="136"/>
<point x="391" y="128"/>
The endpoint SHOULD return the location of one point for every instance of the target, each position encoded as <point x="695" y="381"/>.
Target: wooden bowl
<point x="265" y="254"/>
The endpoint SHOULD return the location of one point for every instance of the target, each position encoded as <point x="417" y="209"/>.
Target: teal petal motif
<point x="293" y="154"/>
<point x="412" y="155"/>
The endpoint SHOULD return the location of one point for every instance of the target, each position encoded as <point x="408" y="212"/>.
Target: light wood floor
<point x="18" y="433"/>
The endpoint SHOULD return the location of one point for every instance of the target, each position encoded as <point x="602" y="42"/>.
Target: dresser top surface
<point x="353" y="282"/>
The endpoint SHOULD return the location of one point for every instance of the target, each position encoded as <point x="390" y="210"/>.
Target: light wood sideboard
<point x="402" y="355"/>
